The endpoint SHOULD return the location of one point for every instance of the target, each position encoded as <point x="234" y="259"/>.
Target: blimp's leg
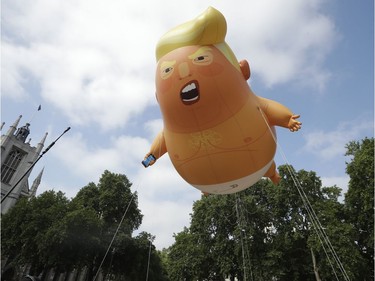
<point x="273" y="174"/>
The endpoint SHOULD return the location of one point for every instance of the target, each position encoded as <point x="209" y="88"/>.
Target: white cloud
<point x="330" y="144"/>
<point x="154" y="127"/>
<point x="121" y="154"/>
<point x="94" y="60"/>
<point x="284" y="40"/>
<point x="341" y="182"/>
<point x="12" y="75"/>
<point x="163" y="219"/>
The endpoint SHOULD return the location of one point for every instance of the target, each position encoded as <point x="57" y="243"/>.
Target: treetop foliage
<point x="51" y="231"/>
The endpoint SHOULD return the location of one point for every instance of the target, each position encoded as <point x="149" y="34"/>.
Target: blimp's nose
<point x="183" y="70"/>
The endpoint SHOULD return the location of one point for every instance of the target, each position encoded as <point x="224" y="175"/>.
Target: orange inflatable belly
<point x="226" y="158"/>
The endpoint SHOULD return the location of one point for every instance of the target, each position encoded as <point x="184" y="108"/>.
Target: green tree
<point x="359" y="200"/>
<point x="25" y="243"/>
<point x="264" y="233"/>
<point x="114" y="197"/>
<point x="340" y="233"/>
<point x="11" y="229"/>
<point x="50" y="231"/>
<point x="136" y="259"/>
<point x="87" y="198"/>
<point x="73" y="241"/>
<point x="110" y="200"/>
<point x="184" y="256"/>
<point x="210" y="229"/>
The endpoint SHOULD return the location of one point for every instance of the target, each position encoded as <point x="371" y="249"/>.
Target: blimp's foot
<point x="273" y="175"/>
<point x="275" y="178"/>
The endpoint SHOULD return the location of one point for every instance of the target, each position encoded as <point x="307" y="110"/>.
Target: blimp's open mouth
<point x="190" y="93"/>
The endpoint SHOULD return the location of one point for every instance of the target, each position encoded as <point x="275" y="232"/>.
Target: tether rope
<point x="245" y="252"/>
<point x="114" y="236"/>
<point x="148" y="262"/>
<point x="322" y="235"/>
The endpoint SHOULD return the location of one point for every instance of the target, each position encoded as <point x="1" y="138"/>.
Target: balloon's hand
<point x="294" y="125"/>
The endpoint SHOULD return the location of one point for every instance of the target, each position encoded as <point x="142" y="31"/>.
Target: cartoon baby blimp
<point x="219" y="135"/>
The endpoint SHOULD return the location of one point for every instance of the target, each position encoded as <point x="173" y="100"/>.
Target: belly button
<point x="248" y="139"/>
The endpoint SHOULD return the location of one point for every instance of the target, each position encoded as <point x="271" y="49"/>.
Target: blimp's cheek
<point x="164" y="93"/>
<point x="210" y="70"/>
<point x="163" y="85"/>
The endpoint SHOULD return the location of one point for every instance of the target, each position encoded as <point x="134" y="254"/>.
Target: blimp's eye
<point x="166" y="72"/>
<point x="203" y="59"/>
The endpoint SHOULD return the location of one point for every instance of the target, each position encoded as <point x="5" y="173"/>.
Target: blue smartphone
<point x="147" y="161"/>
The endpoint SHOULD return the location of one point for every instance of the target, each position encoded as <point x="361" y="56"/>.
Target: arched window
<point x="11" y="164"/>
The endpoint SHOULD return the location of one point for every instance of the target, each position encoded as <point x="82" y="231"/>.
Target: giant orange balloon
<point x="219" y="135"/>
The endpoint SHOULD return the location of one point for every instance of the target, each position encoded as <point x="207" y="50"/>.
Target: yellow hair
<point x="209" y="28"/>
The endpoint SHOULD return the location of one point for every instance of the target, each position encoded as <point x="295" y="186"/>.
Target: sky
<point x="90" y="64"/>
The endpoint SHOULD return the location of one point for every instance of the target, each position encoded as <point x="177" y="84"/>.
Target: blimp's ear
<point x="245" y="69"/>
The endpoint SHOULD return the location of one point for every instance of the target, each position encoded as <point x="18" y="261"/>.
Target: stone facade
<point x="17" y="157"/>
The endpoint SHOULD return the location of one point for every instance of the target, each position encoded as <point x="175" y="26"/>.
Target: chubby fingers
<point x="296" y="116"/>
<point x="294" y="125"/>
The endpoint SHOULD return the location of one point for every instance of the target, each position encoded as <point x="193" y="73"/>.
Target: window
<point x="11" y="164"/>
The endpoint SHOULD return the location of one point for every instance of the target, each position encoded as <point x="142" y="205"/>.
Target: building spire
<point x="41" y="144"/>
<point x="36" y="184"/>
<point x="13" y="128"/>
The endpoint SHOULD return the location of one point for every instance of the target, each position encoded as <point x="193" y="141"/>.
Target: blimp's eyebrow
<point x="167" y="64"/>
<point x="199" y="52"/>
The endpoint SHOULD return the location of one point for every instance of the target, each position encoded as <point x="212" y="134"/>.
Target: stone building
<point x="17" y="157"/>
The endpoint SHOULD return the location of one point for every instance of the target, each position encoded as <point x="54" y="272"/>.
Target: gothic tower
<point x="17" y="156"/>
